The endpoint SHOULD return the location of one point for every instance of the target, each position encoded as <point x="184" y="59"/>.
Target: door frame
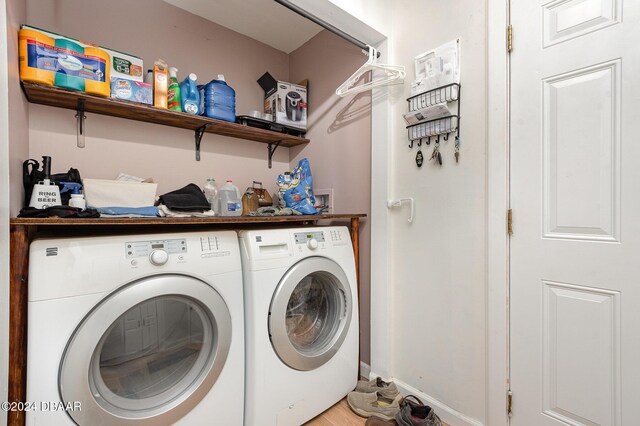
<point x="498" y="147"/>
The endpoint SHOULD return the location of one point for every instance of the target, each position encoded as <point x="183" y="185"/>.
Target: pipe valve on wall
<point x="398" y="203"/>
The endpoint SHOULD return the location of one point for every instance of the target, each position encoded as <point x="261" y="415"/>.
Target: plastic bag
<point x="296" y="189"/>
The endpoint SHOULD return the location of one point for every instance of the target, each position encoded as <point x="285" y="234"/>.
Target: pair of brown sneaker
<point x="414" y="413"/>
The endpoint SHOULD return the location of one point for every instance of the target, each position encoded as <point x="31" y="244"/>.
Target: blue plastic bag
<point x="296" y="189"/>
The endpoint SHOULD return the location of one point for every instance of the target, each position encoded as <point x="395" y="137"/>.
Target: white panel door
<point x="575" y="195"/>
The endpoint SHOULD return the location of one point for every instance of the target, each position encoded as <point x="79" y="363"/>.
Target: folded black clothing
<point x="59" y="211"/>
<point x="187" y="199"/>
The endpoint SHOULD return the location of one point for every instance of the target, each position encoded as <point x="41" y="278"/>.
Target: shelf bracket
<point x="199" y="132"/>
<point x="80" y="117"/>
<point x="271" y="149"/>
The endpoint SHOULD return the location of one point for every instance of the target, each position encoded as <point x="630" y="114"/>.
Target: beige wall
<point x="340" y="151"/>
<point x="154" y="29"/>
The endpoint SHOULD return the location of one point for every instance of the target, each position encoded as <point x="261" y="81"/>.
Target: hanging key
<point x="434" y="154"/>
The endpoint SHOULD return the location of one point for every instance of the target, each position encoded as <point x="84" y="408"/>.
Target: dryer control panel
<point x="304" y="237"/>
<point x="144" y="248"/>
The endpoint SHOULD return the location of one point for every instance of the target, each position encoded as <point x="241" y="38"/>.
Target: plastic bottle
<point x="229" y="201"/>
<point x="211" y="193"/>
<point x="219" y="100"/>
<point x="173" y="94"/>
<point x="189" y="95"/>
<point x="148" y="78"/>
<point x="78" y="201"/>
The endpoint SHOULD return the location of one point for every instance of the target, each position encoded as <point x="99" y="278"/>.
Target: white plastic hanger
<point x="390" y="73"/>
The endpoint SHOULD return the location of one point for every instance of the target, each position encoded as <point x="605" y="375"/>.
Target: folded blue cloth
<point x="122" y="211"/>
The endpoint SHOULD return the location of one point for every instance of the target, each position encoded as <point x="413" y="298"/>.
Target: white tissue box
<point x="117" y="193"/>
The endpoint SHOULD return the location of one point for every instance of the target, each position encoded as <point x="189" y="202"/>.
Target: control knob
<point x="312" y="244"/>
<point x="158" y="257"/>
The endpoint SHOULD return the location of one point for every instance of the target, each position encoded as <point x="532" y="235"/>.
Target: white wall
<point x="375" y="13"/>
<point x="4" y="213"/>
<point x="439" y="263"/>
<point x="435" y="288"/>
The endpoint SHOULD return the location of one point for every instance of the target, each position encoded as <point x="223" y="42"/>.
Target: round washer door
<point x="147" y="354"/>
<point x="310" y="313"/>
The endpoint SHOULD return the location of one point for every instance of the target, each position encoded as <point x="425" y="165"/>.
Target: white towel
<point x="167" y="212"/>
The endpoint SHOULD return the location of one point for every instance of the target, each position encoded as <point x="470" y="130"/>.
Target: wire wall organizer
<point x="437" y="126"/>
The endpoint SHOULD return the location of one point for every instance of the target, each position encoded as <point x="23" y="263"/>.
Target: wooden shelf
<point x="70" y="99"/>
<point x="125" y="221"/>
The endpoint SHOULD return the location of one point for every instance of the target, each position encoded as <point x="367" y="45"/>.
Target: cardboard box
<point x="135" y="91"/>
<point x="287" y="102"/>
<point x="122" y="65"/>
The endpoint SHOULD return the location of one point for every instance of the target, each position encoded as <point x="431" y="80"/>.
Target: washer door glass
<point x="310" y="313"/>
<point x="148" y="353"/>
<point x="151" y="353"/>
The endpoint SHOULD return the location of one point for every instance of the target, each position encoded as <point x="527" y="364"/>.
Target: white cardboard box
<point x="287" y="102"/>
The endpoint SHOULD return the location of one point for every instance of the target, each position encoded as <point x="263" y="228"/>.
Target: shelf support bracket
<point x="80" y="117"/>
<point x="199" y="132"/>
<point x="271" y="149"/>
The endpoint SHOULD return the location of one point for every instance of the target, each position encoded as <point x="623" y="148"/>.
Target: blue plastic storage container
<point x="218" y="100"/>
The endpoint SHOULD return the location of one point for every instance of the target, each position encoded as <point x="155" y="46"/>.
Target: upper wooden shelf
<point x="70" y="99"/>
<point x="102" y="221"/>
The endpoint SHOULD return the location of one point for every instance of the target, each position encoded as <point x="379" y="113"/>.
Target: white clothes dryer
<point x="301" y="316"/>
<point x="136" y="330"/>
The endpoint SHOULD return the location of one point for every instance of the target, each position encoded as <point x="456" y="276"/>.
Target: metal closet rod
<point x="324" y="24"/>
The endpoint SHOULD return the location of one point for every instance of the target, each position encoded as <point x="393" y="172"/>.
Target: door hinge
<point x="509" y="403"/>
<point x="509" y="38"/>
<point x="510" y="222"/>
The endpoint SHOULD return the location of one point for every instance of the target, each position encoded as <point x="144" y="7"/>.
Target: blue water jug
<point x="219" y="100"/>
<point x="190" y="96"/>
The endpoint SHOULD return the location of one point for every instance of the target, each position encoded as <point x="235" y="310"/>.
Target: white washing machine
<point x="136" y="330"/>
<point x="301" y="316"/>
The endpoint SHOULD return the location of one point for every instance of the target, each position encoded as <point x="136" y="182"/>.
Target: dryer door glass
<point x="310" y="313"/>
<point x="151" y="350"/>
<point x="313" y="312"/>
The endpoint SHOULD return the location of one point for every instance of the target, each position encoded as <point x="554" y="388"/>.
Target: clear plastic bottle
<point x="211" y="193"/>
<point x="229" y="201"/>
<point x="148" y="78"/>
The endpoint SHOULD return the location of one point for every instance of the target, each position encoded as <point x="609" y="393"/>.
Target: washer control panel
<point x="304" y="237"/>
<point x="135" y="249"/>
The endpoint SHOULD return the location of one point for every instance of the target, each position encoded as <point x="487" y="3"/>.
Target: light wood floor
<point x="339" y="415"/>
